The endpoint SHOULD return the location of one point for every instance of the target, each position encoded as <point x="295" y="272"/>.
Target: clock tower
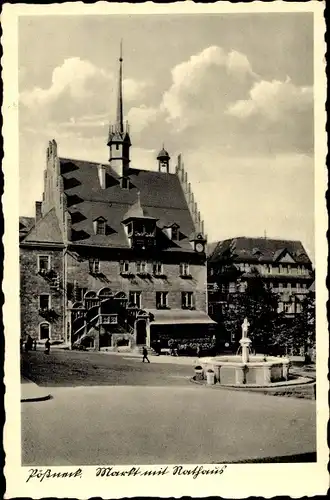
<point x="198" y="242"/>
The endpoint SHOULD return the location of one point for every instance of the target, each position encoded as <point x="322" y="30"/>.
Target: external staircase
<point x="88" y="321"/>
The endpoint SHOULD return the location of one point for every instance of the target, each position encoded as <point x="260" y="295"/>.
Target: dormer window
<point x="100" y="226"/>
<point x="140" y="226"/>
<point x="124" y="183"/>
<point x="175" y="232"/>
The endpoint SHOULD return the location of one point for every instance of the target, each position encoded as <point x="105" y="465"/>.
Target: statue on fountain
<point x="245" y="341"/>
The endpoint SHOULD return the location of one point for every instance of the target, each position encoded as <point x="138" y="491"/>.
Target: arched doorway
<point x="44" y="331"/>
<point x="141" y="331"/>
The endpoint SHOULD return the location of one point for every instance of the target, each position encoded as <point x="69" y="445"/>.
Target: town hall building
<point x="115" y="255"/>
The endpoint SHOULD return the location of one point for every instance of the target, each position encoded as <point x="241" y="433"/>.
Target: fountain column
<point x="245" y="342"/>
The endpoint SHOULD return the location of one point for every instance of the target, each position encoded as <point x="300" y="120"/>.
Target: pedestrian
<point x="145" y="355"/>
<point x="47" y="346"/>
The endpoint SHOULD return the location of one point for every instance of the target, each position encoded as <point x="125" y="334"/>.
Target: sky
<point x="233" y="93"/>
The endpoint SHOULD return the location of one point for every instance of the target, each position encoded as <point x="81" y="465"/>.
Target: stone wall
<point x="78" y="272"/>
<point x="32" y="286"/>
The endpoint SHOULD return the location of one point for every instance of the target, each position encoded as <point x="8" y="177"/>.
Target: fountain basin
<point x="258" y="371"/>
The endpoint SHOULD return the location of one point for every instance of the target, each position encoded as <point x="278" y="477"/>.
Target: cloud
<point x="216" y="96"/>
<point x="77" y="89"/>
<point x="73" y="76"/>
<point x="204" y="83"/>
<point x="253" y="194"/>
<point x="134" y="90"/>
<point x="273" y="100"/>
<point x="141" y="117"/>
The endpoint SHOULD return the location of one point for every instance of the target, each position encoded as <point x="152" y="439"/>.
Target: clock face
<point x="199" y="247"/>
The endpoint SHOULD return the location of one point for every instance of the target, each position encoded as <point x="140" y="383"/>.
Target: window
<point x="304" y="286"/>
<point x="232" y="287"/>
<point x="141" y="267"/>
<point x="298" y="308"/>
<point x="100" y="226"/>
<point x="280" y="307"/>
<point x="124" y="183"/>
<point x="130" y="228"/>
<point x="298" y="286"/>
<point x="94" y="266"/>
<point x="187" y="300"/>
<point x="44" y="302"/>
<point x="271" y="285"/>
<point x="288" y="286"/>
<point x="161" y="300"/>
<point x="157" y="268"/>
<point x="135" y="298"/>
<point x="280" y="286"/>
<point x="184" y="269"/>
<point x="124" y="267"/>
<point x="175" y="233"/>
<point x="43" y="263"/>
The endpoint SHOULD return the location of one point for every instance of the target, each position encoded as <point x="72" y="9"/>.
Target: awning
<point x="179" y="317"/>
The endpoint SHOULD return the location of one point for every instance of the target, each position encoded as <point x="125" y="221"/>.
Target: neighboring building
<point x="282" y="264"/>
<point x="115" y="254"/>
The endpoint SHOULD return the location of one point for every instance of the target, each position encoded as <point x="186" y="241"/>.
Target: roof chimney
<point x="38" y="210"/>
<point x="102" y="173"/>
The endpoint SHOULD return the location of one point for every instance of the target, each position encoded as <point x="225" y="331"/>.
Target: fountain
<point x="247" y="369"/>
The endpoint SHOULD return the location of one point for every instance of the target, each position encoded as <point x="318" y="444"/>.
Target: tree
<point x="304" y="326"/>
<point x="259" y="304"/>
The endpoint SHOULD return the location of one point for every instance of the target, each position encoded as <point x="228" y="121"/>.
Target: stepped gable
<point x="161" y="197"/>
<point x="259" y="250"/>
<point x="46" y="230"/>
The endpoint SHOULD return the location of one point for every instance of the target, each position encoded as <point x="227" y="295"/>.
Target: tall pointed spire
<point x="120" y="119"/>
<point x="119" y="141"/>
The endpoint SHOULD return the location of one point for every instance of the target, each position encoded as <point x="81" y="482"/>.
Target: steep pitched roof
<point x="269" y="250"/>
<point x="161" y="197"/>
<point x="46" y="230"/>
